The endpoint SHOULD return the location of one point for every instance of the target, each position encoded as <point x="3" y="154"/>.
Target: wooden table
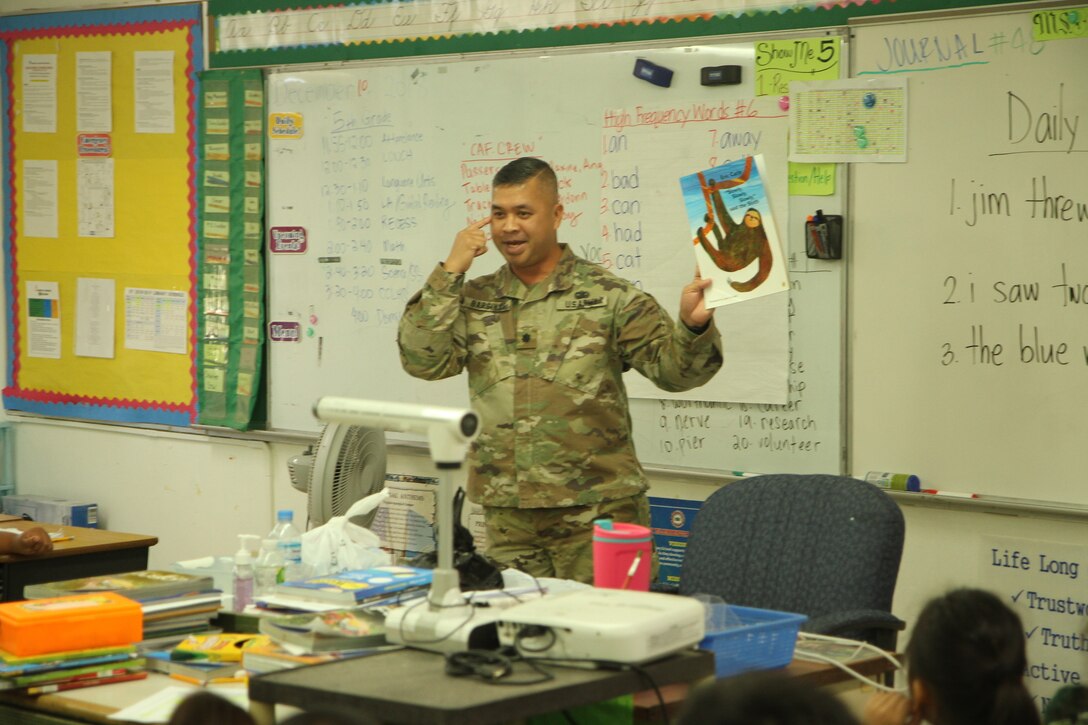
<point x="88" y="553"/>
<point x="648" y="708"/>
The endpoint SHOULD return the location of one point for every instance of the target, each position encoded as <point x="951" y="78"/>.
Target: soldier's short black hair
<point x="522" y="170"/>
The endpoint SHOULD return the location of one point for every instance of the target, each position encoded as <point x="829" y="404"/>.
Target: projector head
<point x="449" y="430"/>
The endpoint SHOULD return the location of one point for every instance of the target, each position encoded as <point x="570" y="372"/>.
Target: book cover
<point x="339" y="629"/>
<point x="138" y="585"/>
<point x="203" y="601"/>
<point x="271" y="657"/>
<point x="9" y="670"/>
<point x="349" y="588"/>
<point x="733" y="231"/>
<point x="92" y="682"/>
<point x="78" y="673"/>
<point x="199" y="671"/>
<point x="12" y="663"/>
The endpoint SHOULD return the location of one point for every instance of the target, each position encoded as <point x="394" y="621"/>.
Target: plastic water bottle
<point x="268" y="568"/>
<point x="243" y="579"/>
<point x="289" y="542"/>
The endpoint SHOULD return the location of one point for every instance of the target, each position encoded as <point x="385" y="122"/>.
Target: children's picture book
<point x="87" y="672"/>
<point x="350" y="588"/>
<point x="733" y="232"/>
<point x="272" y="657"/>
<point x="17" y="666"/>
<point x="138" y="585"/>
<point x="196" y="671"/>
<point x="88" y="682"/>
<point x="339" y="629"/>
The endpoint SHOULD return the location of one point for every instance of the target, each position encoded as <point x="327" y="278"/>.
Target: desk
<point x="88" y="553"/>
<point x="647" y="708"/>
<point x="411" y="686"/>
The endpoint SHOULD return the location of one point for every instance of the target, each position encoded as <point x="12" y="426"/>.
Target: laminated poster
<point x="733" y="232"/>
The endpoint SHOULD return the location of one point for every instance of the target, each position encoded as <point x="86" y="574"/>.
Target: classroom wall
<point x="197" y="492"/>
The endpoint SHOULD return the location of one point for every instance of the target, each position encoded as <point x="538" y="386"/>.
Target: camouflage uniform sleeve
<point x="431" y="335"/>
<point x="667" y="352"/>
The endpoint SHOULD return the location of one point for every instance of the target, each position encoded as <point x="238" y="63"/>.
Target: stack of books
<point x="174" y="604"/>
<point x="205" y="659"/>
<point x="195" y="671"/>
<point x="58" y="671"/>
<point x="375" y="587"/>
<point x="338" y="630"/>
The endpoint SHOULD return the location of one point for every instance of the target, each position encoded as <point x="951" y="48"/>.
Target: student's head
<point x="205" y="707"/>
<point x="966" y="660"/>
<point x="1069" y="706"/>
<point x="763" y="698"/>
<point x="525" y="217"/>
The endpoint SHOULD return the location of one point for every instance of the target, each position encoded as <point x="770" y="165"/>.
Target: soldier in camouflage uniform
<point x="545" y="341"/>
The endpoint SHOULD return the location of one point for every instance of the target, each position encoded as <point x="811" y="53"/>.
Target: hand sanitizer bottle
<point x="243" y="577"/>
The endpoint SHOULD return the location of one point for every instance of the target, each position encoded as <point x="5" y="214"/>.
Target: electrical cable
<point x="801" y="654"/>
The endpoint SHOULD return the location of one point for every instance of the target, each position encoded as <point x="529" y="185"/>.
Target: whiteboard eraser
<point x="719" y="75"/>
<point x="657" y="74"/>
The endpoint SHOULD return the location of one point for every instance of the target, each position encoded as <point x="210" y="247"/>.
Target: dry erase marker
<point x="949" y="494"/>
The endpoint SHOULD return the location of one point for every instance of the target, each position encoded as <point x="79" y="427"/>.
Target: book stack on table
<point x="294" y="640"/>
<point x="63" y="643"/>
<point x="174" y="605"/>
<point x="58" y="671"/>
<point x="332" y="617"/>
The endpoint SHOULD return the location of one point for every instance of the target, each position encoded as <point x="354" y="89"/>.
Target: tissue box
<point x="52" y="510"/>
<point x="59" y="624"/>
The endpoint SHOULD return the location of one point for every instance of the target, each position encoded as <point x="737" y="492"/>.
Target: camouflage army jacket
<point x="545" y="369"/>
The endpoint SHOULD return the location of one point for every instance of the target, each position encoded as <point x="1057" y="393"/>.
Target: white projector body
<point x="603" y="624"/>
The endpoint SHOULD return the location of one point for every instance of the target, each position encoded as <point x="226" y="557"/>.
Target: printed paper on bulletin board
<point x="142" y="239"/>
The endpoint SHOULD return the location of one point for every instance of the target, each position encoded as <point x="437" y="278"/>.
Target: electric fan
<point x="347" y="465"/>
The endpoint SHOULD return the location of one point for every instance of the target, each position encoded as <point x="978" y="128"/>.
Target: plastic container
<point x="756" y="639"/>
<point x="895" y="481"/>
<point x="267" y="569"/>
<point x="58" y="624"/>
<point x="289" y="542"/>
<point x="622" y="556"/>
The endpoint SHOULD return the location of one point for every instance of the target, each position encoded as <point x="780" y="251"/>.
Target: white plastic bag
<point x="339" y="544"/>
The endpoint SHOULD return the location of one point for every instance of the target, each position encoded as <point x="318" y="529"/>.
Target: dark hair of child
<point x="968" y="651"/>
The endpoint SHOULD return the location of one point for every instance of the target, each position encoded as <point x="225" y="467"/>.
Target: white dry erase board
<point x="969" y="275"/>
<point x="382" y="164"/>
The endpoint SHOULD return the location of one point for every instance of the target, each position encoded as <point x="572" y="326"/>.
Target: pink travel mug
<point x="622" y="555"/>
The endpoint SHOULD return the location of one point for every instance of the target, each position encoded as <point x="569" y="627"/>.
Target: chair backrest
<point x="811" y="544"/>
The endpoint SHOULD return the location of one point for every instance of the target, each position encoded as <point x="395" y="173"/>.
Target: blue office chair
<point x="824" y="546"/>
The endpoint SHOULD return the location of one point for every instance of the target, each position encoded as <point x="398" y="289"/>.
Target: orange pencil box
<point x="61" y="624"/>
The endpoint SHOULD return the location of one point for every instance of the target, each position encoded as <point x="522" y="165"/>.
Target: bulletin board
<point x="99" y="212"/>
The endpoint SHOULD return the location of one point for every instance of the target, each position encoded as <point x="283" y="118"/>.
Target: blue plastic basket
<point x="764" y="639"/>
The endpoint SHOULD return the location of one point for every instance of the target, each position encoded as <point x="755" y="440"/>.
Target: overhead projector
<point x="616" y="625"/>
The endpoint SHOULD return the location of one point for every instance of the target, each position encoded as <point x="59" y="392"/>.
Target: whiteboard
<point x="394" y="158"/>
<point x="969" y="280"/>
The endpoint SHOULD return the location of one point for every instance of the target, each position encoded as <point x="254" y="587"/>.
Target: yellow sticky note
<point x="811" y="179"/>
<point x="1060" y="24"/>
<point x="802" y="59"/>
